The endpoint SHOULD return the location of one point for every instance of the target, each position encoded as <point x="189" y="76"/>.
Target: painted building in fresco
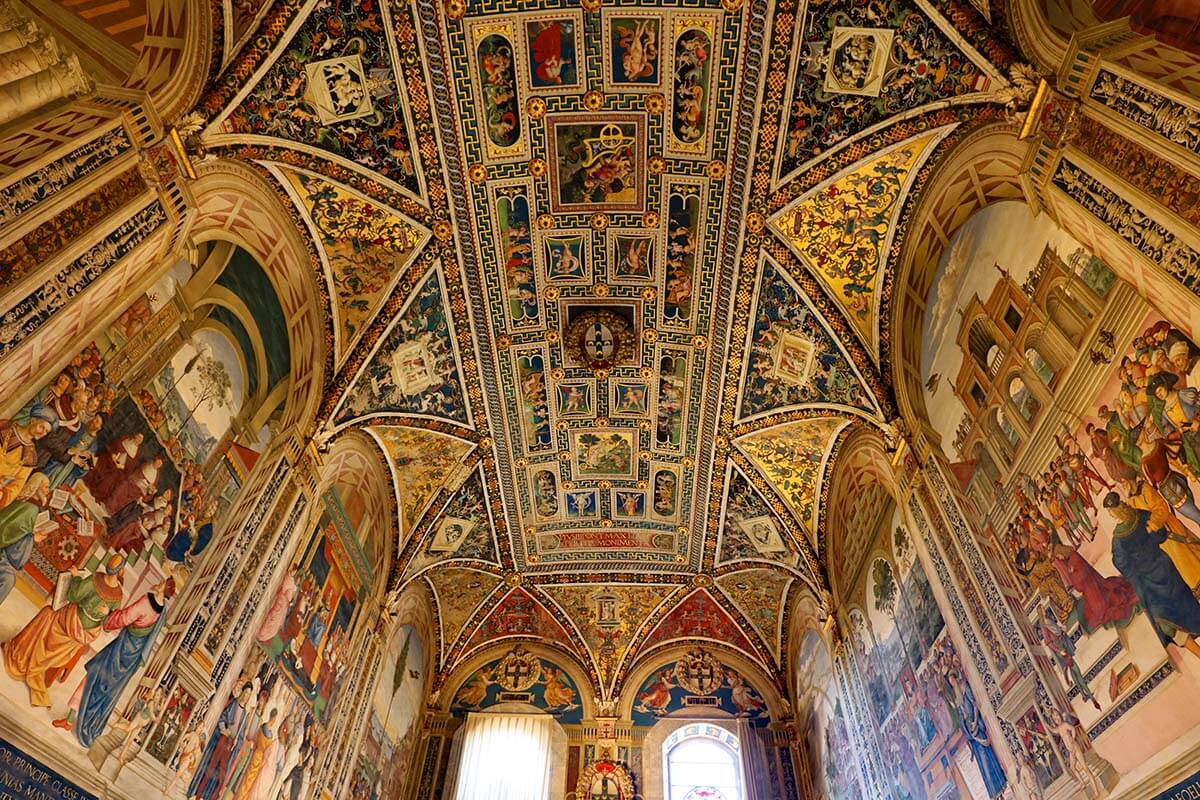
<point x="813" y="384"/>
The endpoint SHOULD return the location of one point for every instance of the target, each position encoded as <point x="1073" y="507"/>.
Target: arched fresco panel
<point x="309" y="624"/>
<point x="820" y="714"/>
<point x="389" y="741"/>
<point x="1096" y="505"/>
<point x="115" y="474"/>
<point x="520" y="676"/>
<point x="698" y="679"/>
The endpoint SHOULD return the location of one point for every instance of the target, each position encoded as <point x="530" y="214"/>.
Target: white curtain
<point x="505" y="757"/>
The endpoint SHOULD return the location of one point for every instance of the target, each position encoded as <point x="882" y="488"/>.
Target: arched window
<point x="700" y="767"/>
<point x="982" y="345"/>
<point x="1023" y="400"/>
<point x="1039" y="365"/>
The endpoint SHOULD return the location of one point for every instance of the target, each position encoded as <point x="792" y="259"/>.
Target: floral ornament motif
<point x="649" y="293"/>
<point x="655" y="103"/>
<point x="593" y="101"/>
<point x="551" y="293"/>
<point x="598" y="221"/>
<point x="600" y="289"/>
<point x="546" y="222"/>
<point x="477" y="173"/>
<point x="537" y="167"/>
<point x="591" y="6"/>
<point x="535" y="108"/>
<point x="755" y="222"/>
<point x="841" y="228"/>
<point x="656" y="164"/>
<point x="650" y="335"/>
<point x="443" y="230"/>
<point x="456" y="9"/>
<point x="715" y="170"/>
<point x="650" y="219"/>
<point x="731" y="5"/>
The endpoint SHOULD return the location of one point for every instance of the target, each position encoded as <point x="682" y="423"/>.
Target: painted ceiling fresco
<point x="608" y="283"/>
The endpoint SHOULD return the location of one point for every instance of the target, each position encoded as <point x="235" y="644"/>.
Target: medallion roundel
<point x="518" y="671"/>
<point x="599" y="340"/>
<point x="699" y="672"/>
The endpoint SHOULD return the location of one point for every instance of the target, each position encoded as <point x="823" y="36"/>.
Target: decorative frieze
<point x="1147" y="235"/>
<point x="33" y="311"/>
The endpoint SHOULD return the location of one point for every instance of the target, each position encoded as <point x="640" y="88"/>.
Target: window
<point x="977" y="394"/>
<point x="703" y="769"/>
<point x="1012" y="318"/>
<point x="505" y="756"/>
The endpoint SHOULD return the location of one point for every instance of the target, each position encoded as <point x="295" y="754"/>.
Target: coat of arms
<point x="518" y="670"/>
<point x="699" y="672"/>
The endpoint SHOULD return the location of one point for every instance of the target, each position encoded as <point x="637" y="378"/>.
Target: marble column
<point x="35" y="56"/>
<point x="62" y="80"/>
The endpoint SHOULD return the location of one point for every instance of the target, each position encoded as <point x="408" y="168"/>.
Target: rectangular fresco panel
<point x="597" y="163"/>
<point x="604" y="452"/>
<point x="555" y="54"/>
<point x="691" y="101"/>
<point x="515" y="254"/>
<point x="632" y="256"/>
<point x="633" y="51"/>
<point x="499" y="104"/>
<point x="306" y="631"/>
<point x="684" y="218"/>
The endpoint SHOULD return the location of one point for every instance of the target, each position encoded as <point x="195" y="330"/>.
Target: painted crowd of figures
<point x="1136" y="463"/>
<point x="263" y="746"/>
<point x="102" y="516"/>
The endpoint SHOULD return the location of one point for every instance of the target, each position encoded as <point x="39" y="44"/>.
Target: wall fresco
<point x="520" y="676"/>
<point x="698" y="678"/>
<point x="1065" y="495"/>
<point x="388" y="751"/>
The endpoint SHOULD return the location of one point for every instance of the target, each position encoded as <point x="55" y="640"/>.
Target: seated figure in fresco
<point x="18" y="449"/>
<point x="17" y="530"/>
<point x="111" y="468"/>
<point x="44" y="650"/>
<point x="1138" y="555"/>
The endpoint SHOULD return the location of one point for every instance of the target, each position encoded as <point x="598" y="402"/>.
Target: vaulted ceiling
<point x="607" y="284"/>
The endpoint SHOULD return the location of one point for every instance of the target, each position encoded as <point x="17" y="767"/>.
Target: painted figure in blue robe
<point x="224" y="744"/>
<point x="108" y="673"/>
<point x="982" y="752"/>
<point x="188" y="543"/>
<point x="17" y="535"/>
<point x="1138" y="555"/>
